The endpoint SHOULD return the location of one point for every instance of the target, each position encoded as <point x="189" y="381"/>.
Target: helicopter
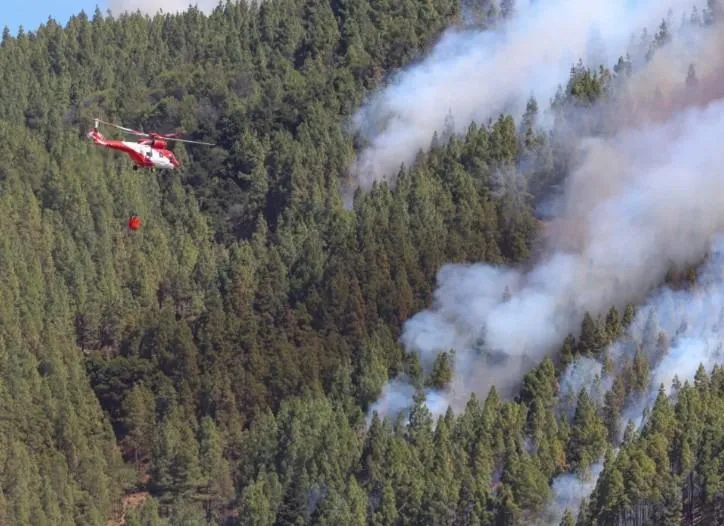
<point x="150" y="152"/>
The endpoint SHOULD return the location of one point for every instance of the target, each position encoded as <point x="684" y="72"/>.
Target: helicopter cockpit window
<point x="148" y="154"/>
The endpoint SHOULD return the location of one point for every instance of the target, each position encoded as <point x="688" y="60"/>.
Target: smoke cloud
<point x="645" y="196"/>
<point x="678" y="331"/>
<point x="641" y="200"/>
<point x="152" y="7"/>
<point x="583" y="373"/>
<point x="569" y="490"/>
<point x="474" y="75"/>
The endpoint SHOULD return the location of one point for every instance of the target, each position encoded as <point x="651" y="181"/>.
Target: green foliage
<point x="670" y="468"/>
<point x="227" y="352"/>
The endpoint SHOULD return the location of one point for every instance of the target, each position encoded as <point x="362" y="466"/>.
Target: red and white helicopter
<point x="150" y="152"/>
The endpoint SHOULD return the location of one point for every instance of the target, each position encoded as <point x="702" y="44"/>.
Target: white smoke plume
<point x="639" y="202"/>
<point x="583" y="373"/>
<point x="395" y="397"/>
<point x="474" y="75"/>
<point x="692" y="323"/>
<point x="152" y="7"/>
<point x="569" y="490"/>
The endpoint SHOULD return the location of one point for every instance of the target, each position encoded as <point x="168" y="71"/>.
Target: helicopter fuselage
<point x="144" y="153"/>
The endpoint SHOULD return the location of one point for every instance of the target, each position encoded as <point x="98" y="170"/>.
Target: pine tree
<point x="567" y="519"/>
<point x="587" y="441"/>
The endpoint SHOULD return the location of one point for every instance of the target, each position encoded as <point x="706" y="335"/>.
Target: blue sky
<point x="32" y="13"/>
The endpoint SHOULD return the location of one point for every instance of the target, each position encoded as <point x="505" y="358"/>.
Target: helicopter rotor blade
<point x="166" y="137"/>
<point x="127" y="130"/>
<point x="186" y="140"/>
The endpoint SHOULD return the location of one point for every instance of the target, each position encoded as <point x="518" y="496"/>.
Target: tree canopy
<point x="217" y="365"/>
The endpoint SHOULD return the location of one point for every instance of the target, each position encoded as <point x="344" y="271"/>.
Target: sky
<point x="31" y="13"/>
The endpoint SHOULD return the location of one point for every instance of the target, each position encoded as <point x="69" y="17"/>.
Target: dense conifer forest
<point x="218" y="365"/>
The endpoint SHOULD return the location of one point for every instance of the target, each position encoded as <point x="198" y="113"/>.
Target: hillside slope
<point x="234" y="296"/>
<point x="224" y="357"/>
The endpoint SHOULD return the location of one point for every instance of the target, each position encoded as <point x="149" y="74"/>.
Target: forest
<point x="219" y="365"/>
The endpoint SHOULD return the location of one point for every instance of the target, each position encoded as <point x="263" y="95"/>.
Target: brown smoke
<point x="651" y="96"/>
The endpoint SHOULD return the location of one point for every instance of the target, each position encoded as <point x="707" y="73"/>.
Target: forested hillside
<point x="224" y="357"/>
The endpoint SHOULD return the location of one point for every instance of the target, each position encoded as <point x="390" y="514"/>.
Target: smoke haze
<point x="474" y="75"/>
<point x="677" y="331"/>
<point x="152" y="7"/>
<point x="569" y="491"/>
<point x="639" y="201"/>
<point x="647" y="196"/>
<point x="662" y="203"/>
